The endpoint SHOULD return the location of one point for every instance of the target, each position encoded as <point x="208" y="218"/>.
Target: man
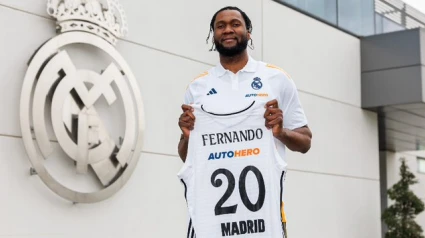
<point x="239" y="78"/>
<point x="232" y="30"/>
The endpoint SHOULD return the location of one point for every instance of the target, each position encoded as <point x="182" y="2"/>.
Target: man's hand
<point x="186" y="123"/>
<point x="186" y="120"/>
<point x="298" y="139"/>
<point x="274" y="117"/>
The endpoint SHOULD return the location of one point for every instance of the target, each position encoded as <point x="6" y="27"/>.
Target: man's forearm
<point x="296" y="140"/>
<point x="183" y="144"/>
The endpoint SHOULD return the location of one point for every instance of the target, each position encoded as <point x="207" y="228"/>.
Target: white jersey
<point x="223" y="91"/>
<point x="233" y="175"/>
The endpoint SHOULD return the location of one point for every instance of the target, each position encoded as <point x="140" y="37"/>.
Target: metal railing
<point x="401" y="13"/>
<point x="381" y="16"/>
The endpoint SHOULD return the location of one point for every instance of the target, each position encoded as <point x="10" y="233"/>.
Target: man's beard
<point x="232" y="51"/>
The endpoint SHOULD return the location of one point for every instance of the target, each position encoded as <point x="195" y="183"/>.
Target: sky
<point x="418" y="4"/>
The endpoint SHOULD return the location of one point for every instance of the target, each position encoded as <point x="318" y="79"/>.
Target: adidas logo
<point x="212" y="91"/>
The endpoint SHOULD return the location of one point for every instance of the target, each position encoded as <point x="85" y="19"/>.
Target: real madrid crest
<point x="82" y="126"/>
<point x="256" y="83"/>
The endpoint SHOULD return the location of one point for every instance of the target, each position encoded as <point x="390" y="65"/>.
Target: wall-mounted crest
<point x="61" y="103"/>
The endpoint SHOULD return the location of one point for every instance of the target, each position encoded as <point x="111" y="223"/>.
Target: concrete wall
<point x="333" y="190"/>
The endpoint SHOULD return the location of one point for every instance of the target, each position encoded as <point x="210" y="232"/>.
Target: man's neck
<point x="234" y="63"/>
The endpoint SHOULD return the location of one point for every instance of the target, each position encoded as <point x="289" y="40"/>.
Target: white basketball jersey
<point x="233" y="175"/>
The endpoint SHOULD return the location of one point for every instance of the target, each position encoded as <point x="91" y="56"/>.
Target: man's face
<point x="230" y="33"/>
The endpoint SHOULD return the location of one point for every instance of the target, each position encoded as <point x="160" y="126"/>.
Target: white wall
<point x="150" y="205"/>
<point x="152" y="199"/>
<point x="332" y="190"/>
<point x="323" y="61"/>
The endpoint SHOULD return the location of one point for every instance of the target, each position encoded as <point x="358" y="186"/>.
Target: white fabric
<point x="232" y="91"/>
<point x="212" y="162"/>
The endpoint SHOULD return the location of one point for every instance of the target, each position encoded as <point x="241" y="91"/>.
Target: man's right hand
<point x="186" y="120"/>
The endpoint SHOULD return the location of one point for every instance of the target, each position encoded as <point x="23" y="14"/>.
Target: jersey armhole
<point x="185" y="171"/>
<point x="280" y="163"/>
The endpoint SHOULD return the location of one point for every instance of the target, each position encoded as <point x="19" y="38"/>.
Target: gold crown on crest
<point x="90" y="16"/>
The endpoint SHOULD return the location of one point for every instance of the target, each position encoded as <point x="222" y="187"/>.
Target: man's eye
<point x="236" y="24"/>
<point x="220" y="26"/>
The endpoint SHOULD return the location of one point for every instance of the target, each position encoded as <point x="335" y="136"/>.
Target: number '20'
<point x="219" y="209"/>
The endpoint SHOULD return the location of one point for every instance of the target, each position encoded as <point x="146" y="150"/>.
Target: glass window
<point x="357" y="16"/>
<point x="390" y="26"/>
<point x="385" y="25"/>
<point x="421" y="165"/>
<point x="378" y="23"/>
<point x="324" y="9"/>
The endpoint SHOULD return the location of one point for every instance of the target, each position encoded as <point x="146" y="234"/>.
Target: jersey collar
<point x="251" y="67"/>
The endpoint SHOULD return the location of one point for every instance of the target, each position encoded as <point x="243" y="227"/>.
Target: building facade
<point x="332" y="191"/>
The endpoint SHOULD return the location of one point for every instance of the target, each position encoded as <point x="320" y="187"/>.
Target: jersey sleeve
<point x="188" y="97"/>
<point x="293" y="113"/>
<point x="192" y="90"/>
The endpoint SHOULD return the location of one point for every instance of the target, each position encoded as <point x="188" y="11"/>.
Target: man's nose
<point x="228" y="29"/>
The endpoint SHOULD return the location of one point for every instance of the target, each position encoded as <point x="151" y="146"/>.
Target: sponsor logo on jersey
<point x="257" y="95"/>
<point x="257" y="84"/>
<point x="211" y="92"/>
<point x="232" y="137"/>
<point x="234" y="154"/>
<point x="242" y="227"/>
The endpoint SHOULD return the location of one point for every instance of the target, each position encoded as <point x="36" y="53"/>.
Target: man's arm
<point x="183" y="144"/>
<point x="296" y="140"/>
<point x="186" y="124"/>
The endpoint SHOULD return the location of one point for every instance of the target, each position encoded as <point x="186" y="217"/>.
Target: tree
<point x="400" y="217"/>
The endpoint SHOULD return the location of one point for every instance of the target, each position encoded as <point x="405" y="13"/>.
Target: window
<point x="324" y="9"/>
<point x="390" y="26"/>
<point x="357" y="16"/>
<point x="385" y="25"/>
<point x="421" y="165"/>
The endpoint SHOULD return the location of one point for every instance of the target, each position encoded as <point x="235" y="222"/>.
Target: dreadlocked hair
<point x="245" y="17"/>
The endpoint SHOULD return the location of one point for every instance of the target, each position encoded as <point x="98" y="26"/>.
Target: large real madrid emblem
<point x="69" y="136"/>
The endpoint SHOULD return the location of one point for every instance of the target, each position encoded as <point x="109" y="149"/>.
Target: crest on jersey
<point x="81" y="110"/>
<point x="257" y="84"/>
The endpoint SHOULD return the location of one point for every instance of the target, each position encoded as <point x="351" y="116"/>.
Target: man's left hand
<point x="274" y="117"/>
<point x="298" y="139"/>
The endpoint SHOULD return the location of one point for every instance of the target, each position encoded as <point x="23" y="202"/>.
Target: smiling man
<point x="238" y="80"/>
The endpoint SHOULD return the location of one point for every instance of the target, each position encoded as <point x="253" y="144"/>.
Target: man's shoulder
<point x="202" y="75"/>
<point x="200" y="78"/>
<point x="276" y="70"/>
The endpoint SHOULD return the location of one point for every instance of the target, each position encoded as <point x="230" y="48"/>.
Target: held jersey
<point x="233" y="175"/>
<point x="224" y="91"/>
